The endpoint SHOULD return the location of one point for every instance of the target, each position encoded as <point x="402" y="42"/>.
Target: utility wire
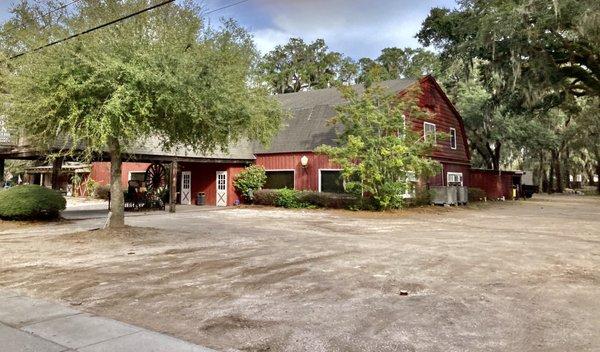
<point x="226" y="6"/>
<point x="112" y="22"/>
<point x="94" y="28"/>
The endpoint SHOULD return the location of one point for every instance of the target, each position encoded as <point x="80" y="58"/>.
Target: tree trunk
<point x="557" y="170"/>
<point x="1" y="172"/>
<point x="496" y="156"/>
<point x="116" y="216"/>
<point x="173" y="187"/>
<point x="542" y="173"/>
<point x="56" y="166"/>
<point x="567" y="168"/>
<point x="551" y="177"/>
<point x="598" y="174"/>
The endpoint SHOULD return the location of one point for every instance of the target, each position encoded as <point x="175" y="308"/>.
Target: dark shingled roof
<point x="309" y="127"/>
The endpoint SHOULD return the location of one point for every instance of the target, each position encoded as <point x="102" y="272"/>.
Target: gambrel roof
<point x="311" y="112"/>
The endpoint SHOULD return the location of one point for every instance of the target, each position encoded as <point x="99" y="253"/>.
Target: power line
<point x="44" y="15"/>
<point x="112" y="22"/>
<point x="226" y="6"/>
<point x="95" y="28"/>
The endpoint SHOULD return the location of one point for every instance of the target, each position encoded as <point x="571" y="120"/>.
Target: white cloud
<point x="357" y="28"/>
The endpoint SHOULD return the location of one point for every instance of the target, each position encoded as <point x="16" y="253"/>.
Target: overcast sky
<point x="356" y="28"/>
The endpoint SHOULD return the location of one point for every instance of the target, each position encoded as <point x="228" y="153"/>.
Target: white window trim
<point x="293" y="170"/>
<point x="455" y="173"/>
<point x="320" y="175"/>
<point x="425" y="123"/>
<point x="134" y="172"/>
<point x="455" y="146"/>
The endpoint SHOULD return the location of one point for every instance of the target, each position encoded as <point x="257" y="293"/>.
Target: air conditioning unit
<point x="463" y="195"/>
<point x="442" y="195"/>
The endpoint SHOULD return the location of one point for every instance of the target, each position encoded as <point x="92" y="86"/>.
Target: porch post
<point x="56" y="166"/>
<point x="173" y="188"/>
<point x="1" y="172"/>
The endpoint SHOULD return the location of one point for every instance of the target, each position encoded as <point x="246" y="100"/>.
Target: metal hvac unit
<point x="452" y="192"/>
<point x="463" y="195"/>
<point x="444" y="195"/>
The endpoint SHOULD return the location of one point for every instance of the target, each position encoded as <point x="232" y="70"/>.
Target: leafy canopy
<point x="378" y="152"/>
<point x="541" y="47"/>
<point x="297" y="66"/>
<point x="162" y="74"/>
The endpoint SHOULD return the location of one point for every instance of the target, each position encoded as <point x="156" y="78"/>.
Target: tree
<point x="160" y="74"/>
<point x="548" y="49"/>
<point x="586" y="131"/>
<point x="396" y="63"/>
<point x="298" y="66"/>
<point x="377" y="153"/>
<point x="490" y="126"/>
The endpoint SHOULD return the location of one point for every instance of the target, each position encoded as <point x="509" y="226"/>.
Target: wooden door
<point x="221" y="188"/>
<point x="186" y="187"/>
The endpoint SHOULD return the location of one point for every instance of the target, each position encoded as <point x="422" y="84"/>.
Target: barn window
<point x="453" y="138"/>
<point x="429" y="131"/>
<point x="279" y="179"/>
<point x="331" y="181"/>
<point x="454" y="179"/>
<point x="137" y="175"/>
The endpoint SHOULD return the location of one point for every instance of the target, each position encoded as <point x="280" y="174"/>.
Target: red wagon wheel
<point x="156" y="178"/>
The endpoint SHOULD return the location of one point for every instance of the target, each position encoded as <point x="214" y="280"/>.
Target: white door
<point x="221" y="188"/>
<point x="186" y="187"/>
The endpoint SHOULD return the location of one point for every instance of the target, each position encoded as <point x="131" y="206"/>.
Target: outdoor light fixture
<point x="304" y="161"/>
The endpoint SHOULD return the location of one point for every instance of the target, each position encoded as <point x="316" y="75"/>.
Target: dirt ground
<point x="522" y="276"/>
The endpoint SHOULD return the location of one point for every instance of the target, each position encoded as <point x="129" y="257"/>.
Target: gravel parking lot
<point x="514" y="276"/>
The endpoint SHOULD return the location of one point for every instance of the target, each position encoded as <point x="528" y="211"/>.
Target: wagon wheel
<point x="156" y="178"/>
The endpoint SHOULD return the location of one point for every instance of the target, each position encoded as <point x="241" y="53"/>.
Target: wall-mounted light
<point x="304" y="161"/>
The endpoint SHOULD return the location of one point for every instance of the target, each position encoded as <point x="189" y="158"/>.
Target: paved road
<point x="31" y="325"/>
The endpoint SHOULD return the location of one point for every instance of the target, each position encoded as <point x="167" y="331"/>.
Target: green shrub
<point x="90" y="186"/>
<point x="265" y="197"/>
<point x="30" y="202"/>
<point x="103" y="192"/>
<point x="423" y="196"/>
<point x="289" y="198"/>
<point x="249" y="181"/>
<point x="294" y="199"/>
<point x="330" y="200"/>
<point x="476" y="194"/>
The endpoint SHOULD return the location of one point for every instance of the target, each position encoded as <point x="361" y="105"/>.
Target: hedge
<point x="289" y="198"/>
<point x="476" y="194"/>
<point x="30" y="202"/>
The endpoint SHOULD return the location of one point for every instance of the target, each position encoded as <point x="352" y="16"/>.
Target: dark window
<point x="279" y="179"/>
<point x="331" y="181"/>
<point x="452" y="138"/>
<point x="138" y="176"/>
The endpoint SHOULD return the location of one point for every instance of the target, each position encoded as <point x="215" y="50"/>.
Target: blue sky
<point x="357" y="28"/>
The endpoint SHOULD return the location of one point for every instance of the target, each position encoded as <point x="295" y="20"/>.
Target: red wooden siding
<point x="304" y="178"/>
<point x="441" y="179"/>
<point x="204" y="179"/>
<point x="495" y="185"/>
<point x="446" y="117"/>
<point x="101" y="171"/>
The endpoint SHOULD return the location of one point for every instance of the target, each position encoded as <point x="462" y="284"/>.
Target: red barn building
<point x="290" y="160"/>
<point x="309" y="128"/>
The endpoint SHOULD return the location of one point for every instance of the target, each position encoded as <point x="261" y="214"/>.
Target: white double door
<point x="186" y="187"/>
<point x="221" y="188"/>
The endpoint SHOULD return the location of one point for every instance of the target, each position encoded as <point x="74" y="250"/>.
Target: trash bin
<point x="201" y="198"/>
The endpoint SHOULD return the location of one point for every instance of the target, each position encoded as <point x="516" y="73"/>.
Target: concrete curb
<point x="29" y="324"/>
